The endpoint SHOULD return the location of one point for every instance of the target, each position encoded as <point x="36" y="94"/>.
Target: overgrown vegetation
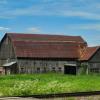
<point x="21" y="85"/>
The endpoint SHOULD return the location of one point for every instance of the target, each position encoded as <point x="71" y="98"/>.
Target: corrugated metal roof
<point x="46" y="49"/>
<point x="45" y="37"/>
<point x="49" y="46"/>
<point x="88" y="53"/>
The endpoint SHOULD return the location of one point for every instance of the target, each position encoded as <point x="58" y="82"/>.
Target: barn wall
<point x="96" y="57"/>
<point x="94" y="63"/>
<point x="94" y="67"/>
<point x="6" y="51"/>
<point x="40" y="66"/>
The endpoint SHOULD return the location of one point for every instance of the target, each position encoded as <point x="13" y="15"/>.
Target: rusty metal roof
<point x="88" y="53"/>
<point x="45" y="37"/>
<point x="46" y="46"/>
<point x="45" y="49"/>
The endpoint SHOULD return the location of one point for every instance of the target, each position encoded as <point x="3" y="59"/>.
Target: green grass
<point x="21" y="85"/>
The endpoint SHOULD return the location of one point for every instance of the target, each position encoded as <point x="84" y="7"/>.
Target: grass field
<point x="21" y="85"/>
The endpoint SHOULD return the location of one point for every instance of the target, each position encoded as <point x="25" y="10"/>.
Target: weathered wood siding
<point x="96" y="57"/>
<point x="94" y="63"/>
<point x="6" y="51"/>
<point x="41" y="66"/>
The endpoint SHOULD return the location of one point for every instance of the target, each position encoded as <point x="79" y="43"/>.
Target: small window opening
<point x="53" y="69"/>
<point x="59" y="69"/>
<point x="38" y="70"/>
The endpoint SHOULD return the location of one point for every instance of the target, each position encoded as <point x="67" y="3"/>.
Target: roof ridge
<point x="46" y="37"/>
<point x="42" y="34"/>
<point x="94" y="47"/>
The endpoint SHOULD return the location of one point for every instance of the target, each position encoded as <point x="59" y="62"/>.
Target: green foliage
<point x="83" y="69"/>
<point x="22" y="85"/>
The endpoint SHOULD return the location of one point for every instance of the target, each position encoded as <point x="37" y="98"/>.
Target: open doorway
<point x="70" y="69"/>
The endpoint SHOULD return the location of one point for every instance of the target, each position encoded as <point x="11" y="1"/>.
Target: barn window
<point x="38" y="70"/>
<point x="53" y="69"/>
<point x="94" y="70"/>
<point x="59" y="69"/>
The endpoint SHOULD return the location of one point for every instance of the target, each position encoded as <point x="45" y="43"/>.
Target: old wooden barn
<point x="40" y="53"/>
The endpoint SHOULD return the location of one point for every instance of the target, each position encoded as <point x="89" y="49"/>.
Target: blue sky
<point x="64" y="17"/>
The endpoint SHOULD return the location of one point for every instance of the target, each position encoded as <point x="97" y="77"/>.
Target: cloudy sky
<point x="64" y="17"/>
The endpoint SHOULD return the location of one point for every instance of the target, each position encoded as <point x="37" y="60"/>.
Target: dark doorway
<point x="70" y="70"/>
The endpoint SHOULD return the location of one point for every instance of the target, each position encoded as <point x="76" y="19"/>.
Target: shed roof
<point x="88" y="53"/>
<point x="9" y="64"/>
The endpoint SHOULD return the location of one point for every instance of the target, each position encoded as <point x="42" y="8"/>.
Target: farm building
<point x="40" y="53"/>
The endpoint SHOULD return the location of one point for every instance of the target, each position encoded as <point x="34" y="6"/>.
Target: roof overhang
<point x="9" y="64"/>
<point x="70" y="65"/>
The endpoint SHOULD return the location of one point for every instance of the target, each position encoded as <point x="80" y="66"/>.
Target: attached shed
<point x="10" y="68"/>
<point x="91" y="58"/>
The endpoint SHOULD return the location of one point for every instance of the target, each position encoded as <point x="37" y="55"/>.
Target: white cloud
<point x="4" y="29"/>
<point x="92" y="26"/>
<point x="82" y="14"/>
<point x="33" y="30"/>
<point x="69" y="8"/>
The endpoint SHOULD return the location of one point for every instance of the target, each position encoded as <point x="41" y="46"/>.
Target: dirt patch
<point x="95" y="97"/>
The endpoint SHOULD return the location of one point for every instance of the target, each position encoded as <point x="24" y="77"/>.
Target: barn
<point x="41" y="53"/>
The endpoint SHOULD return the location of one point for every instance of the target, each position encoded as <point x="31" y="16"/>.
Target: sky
<point x="60" y="17"/>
